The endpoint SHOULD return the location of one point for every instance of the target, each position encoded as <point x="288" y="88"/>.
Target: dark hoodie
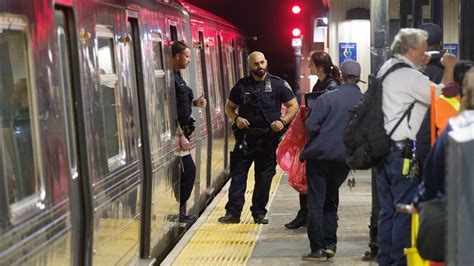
<point x="434" y="69"/>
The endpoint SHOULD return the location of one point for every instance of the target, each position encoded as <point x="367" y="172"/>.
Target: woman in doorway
<point x="328" y="79"/>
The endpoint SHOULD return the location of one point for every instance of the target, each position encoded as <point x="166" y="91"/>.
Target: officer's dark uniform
<point x="184" y="100"/>
<point x="260" y="103"/>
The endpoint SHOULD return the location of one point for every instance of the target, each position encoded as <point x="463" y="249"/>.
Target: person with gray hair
<point x="405" y="90"/>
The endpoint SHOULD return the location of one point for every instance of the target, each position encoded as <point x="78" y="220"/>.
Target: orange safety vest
<point x="442" y="109"/>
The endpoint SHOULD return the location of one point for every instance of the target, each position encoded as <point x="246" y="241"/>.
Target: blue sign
<point x="452" y="48"/>
<point x="347" y="51"/>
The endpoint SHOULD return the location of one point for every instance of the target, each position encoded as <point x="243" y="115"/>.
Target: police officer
<point x="258" y="125"/>
<point x="185" y="101"/>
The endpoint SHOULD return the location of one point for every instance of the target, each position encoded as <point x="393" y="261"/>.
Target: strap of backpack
<point x="407" y="112"/>
<point x="393" y="68"/>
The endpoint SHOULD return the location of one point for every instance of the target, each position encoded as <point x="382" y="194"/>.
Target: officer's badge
<point x="268" y="86"/>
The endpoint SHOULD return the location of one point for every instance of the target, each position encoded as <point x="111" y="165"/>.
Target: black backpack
<point x="364" y="135"/>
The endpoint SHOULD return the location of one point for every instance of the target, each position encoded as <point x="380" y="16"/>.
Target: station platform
<point x="211" y="243"/>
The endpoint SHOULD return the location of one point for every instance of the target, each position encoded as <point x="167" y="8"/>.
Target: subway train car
<point x="88" y="145"/>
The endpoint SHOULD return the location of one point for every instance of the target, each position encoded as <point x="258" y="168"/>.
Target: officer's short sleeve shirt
<point x="184" y="97"/>
<point x="260" y="101"/>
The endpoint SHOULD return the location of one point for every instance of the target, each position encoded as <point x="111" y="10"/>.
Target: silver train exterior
<point x="88" y="163"/>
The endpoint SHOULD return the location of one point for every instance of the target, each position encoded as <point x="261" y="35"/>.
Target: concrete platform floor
<point x="280" y="246"/>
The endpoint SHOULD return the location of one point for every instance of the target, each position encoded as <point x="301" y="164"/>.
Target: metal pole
<point x="405" y="10"/>
<point x="437" y="11"/>
<point x="466" y="36"/>
<point x="379" y="50"/>
<point x="296" y="88"/>
<point x="417" y="13"/>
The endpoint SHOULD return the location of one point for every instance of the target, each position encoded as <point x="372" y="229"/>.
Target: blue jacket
<point x="327" y="121"/>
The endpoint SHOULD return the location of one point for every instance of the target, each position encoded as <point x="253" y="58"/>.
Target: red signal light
<point x="296" y="32"/>
<point x="296" y="9"/>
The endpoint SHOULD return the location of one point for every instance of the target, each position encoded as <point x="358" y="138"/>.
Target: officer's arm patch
<point x="287" y="85"/>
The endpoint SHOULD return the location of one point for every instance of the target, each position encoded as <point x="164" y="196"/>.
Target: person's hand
<point x="449" y="60"/>
<point x="184" y="143"/>
<point x="277" y="126"/>
<point x="242" y="122"/>
<point x="200" y="102"/>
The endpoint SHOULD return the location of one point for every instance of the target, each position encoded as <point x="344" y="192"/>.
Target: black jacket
<point x="434" y="69"/>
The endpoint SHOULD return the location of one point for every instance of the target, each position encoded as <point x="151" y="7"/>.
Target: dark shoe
<point x="229" y="219"/>
<point x="183" y="218"/>
<point x="296" y="223"/>
<point x="330" y="251"/>
<point x="316" y="256"/>
<point x="260" y="219"/>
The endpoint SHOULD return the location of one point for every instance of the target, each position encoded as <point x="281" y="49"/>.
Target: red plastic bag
<point x="288" y="152"/>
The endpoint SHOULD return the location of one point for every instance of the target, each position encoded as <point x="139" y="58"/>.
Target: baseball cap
<point x="350" y="69"/>
<point x="434" y="33"/>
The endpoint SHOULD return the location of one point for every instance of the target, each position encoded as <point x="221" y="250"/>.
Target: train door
<point x="216" y="104"/>
<point x="201" y="116"/>
<point x="225" y="87"/>
<point x="145" y="148"/>
<point x="205" y="79"/>
<point x="73" y="118"/>
<point x="116" y="171"/>
<point x="38" y="160"/>
<point x="197" y="200"/>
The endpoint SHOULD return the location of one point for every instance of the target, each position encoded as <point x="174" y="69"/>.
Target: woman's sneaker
<point x="330" y="251"/>
<point x="316" y="256"/>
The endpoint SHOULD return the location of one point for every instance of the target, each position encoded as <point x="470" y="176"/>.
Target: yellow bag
<point x="413" y="257"/>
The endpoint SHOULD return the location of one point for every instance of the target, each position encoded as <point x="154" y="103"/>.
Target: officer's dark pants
<point x="324" y="179"/>
<point x="261" y="150"/>
<point x="394" y="228"/>
<point x="188" y="174"/>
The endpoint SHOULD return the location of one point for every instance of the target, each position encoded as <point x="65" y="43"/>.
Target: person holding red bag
<point x="328" y="79"/>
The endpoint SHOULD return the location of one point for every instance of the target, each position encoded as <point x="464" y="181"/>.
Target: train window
<point x="157" y="54"/>
<point x="174" y="32"/>
<point x="130" y="83"/>
<point x="160" y="87"/>
<point x="241" y="63"/>
<point x="111" y="98"/>
<point x="230" y="66"/>
<point x="64" y="65"/>
<point x="106" y="55"/>
<point x="19" y="155"/>
<point x="216" y="79"/>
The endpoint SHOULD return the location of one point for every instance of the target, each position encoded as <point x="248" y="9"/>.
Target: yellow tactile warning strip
<point x="226" y="244"/>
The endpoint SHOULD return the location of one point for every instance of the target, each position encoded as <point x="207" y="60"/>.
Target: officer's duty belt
<point x="255" y="131"/>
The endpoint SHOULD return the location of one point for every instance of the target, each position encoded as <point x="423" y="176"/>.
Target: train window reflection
<point x="111" y="99"/>
<point x="64" y="62"/>
<point x="106" y="55"/>
<point x="216" y="78"/>
<point x="17" y="147"/>
<point x="160" y="88"/>
<point x="110" y="120"/>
